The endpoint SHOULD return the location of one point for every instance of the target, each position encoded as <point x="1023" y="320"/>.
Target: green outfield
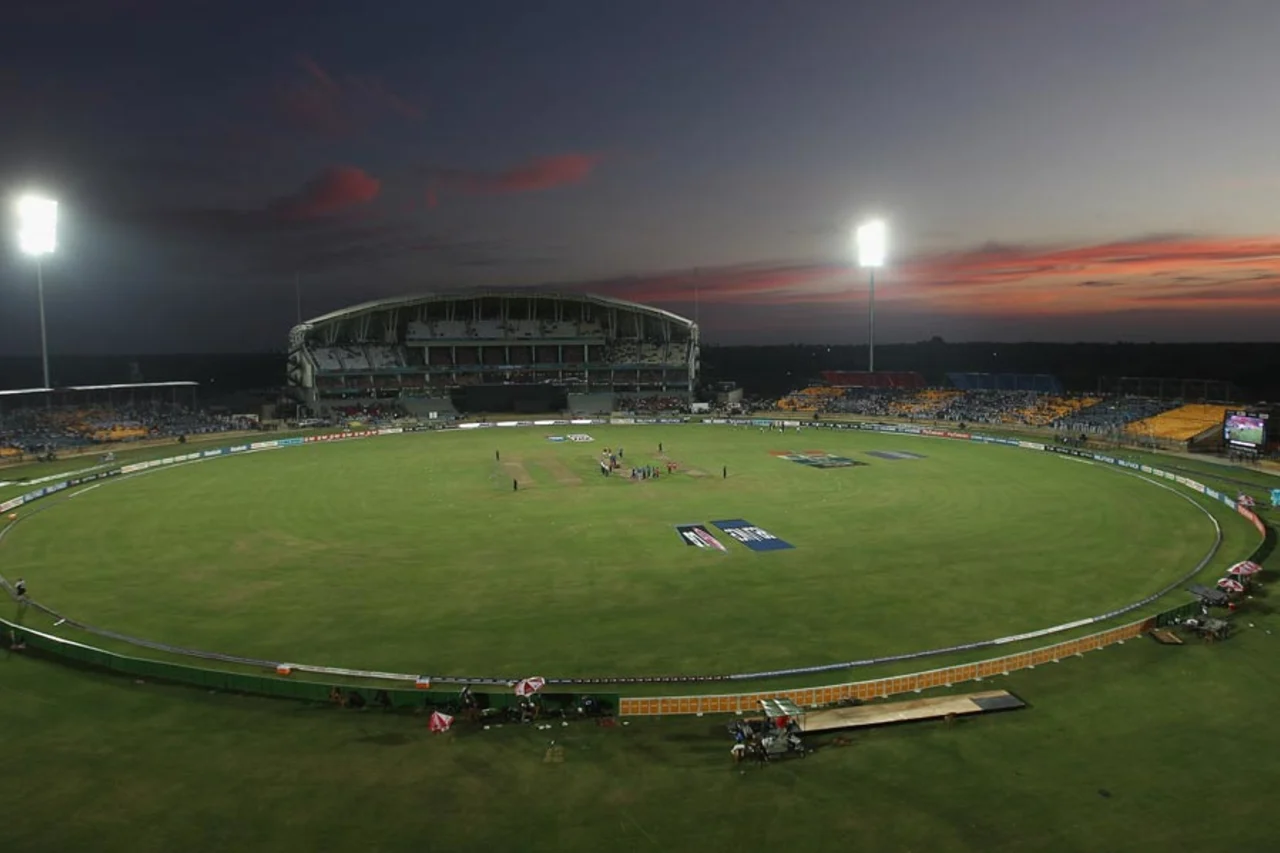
<point x="417" y="554"/>
<point x="414" y="553"/>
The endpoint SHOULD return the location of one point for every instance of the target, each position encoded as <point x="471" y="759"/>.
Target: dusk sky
<point x="1049" y="171"/>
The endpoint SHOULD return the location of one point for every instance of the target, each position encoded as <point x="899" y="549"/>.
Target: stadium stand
<point x="923" y="404"/>
<point x="652" y="404"/>
<point x="812" y="399"/>
<point x="39" y="429"/>
<point x="1075" y="414"/>
<point x="492" y="351"/>
<point x="1110" y="415"/>
<point x="1181" y="424"/>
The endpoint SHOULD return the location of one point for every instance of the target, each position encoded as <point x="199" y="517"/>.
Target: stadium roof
<point x="14" y="392"/>
<point x="377" y="305"/>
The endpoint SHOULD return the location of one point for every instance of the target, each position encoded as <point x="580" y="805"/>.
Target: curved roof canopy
<point x="401" y="302"/>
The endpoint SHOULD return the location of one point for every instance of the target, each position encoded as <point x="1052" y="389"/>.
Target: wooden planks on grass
<point x="883" y="713"/>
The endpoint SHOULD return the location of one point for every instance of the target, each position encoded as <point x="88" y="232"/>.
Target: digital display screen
<point x="1245" y="429"/>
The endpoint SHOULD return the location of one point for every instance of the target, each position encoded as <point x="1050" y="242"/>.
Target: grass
<point x="413" y="554"/>
<point x="1134" y="748"/>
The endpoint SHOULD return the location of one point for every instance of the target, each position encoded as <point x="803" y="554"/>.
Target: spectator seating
<point x="652" y="404"/>
<point x="1111" y="415"/>
<point x="923" y="404"/>
<point x="1048" y="409"/>
<point x="810" y="399"/>
<point x="1181" y="424"/>
<point x="38" y="429"/>
<point x="383" y="357"/>
<point x="353" y="358"/>
<point x="327" y="359"/>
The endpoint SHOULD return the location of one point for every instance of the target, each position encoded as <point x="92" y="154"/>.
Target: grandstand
<point x="1089" y="414"/>
<point x="1110" y="415"/>
<point x="35" y="422"/>
<point x="440" y="354"/>
<point x="1184" y="423"/>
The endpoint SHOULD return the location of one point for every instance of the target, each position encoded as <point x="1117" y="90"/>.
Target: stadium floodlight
<point x="37" y="225"/>
<point x="872" y="239"/>
<point x="38" y="236"/>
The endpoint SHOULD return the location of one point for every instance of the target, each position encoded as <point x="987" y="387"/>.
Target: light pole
<point x="38" y="236"/>
<point x="872" y="240"/>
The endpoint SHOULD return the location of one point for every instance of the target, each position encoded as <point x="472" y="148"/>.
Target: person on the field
<point x="515" y="485"/>
<point x="20" y="588"/>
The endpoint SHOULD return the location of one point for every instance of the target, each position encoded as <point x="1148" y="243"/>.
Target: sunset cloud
<point x="543" y="173"/>
<point x="333" y="191"/>
<point x="531" y="176"/>
<point x="1003" y="282"/>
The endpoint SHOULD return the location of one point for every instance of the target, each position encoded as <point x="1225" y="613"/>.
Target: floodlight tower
<point x="872" y="240"/>
<point x="38" y="236"/>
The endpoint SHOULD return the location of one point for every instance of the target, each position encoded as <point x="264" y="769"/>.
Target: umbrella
<point x="1244" y="570"/>
<point x="530" y="686"/>
<point x="439" y="722"/>
<point x="1230" y="585"/>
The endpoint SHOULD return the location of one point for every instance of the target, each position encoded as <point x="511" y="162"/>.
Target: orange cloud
<point x="332" y="191"/>
<point x="536" y="175"/>
<point x="543" y="173"/>
<point x="1165" y="274"/>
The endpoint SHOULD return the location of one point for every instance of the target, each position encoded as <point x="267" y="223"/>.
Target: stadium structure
<point x="439" y="354"/>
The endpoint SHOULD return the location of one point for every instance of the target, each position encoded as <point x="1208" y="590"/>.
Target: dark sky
<point x="1049" y="171"/>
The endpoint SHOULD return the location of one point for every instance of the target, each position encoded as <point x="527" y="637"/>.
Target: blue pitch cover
<point x="755" y="538"/>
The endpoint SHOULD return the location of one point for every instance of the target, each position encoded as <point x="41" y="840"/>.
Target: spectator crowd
<point x="51" y="430"/>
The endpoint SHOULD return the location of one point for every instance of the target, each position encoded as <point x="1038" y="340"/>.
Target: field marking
<point x="559" y="470"/>
<point x="518" y="472"/>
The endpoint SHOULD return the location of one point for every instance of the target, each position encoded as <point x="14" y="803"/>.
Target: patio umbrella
<point x="530" y="686"/>
<point x="1244" y="570"/>
<point x="1230" y="585"/>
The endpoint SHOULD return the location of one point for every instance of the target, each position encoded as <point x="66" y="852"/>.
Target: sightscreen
<point x="1245" y="430"/>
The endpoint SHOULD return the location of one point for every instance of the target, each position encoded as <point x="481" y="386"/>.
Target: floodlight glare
<point x="37" y="225"/>
<point x="38" y="236"/>
<point x="872" y="238"/>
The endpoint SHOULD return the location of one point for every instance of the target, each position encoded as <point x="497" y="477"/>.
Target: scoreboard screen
<point x="1245" y="430"/>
